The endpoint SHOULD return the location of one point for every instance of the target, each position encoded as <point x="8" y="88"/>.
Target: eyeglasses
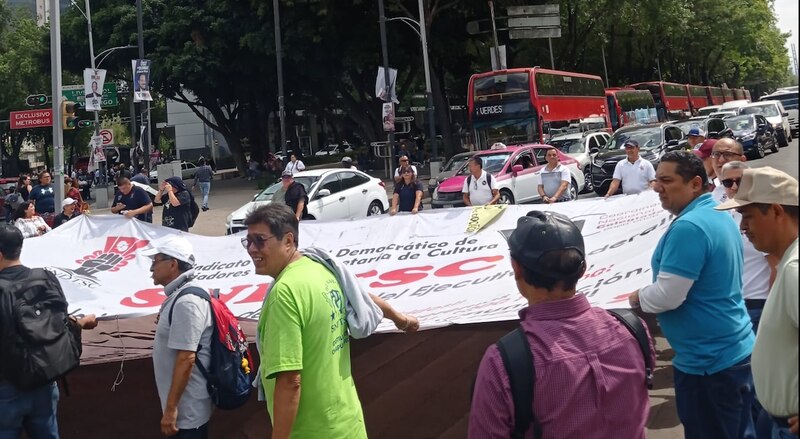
<point x="257" y="240"/>
<point x="403" y="160"/>
<point x="727" y="154"/>
<point x="728" y="182"/>
<point x="156" y="261"/>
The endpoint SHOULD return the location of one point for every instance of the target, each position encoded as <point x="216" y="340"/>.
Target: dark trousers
<point x="193" y="433"/>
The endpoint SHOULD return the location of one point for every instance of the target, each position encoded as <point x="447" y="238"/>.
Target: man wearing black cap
<point x="296" y="197"/>
<point x="592" y="381"/>
<point x="347" y="163"/>
<point x="635" y="173"/>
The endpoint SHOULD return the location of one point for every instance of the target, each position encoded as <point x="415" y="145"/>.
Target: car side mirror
<point x="727" y="132"/>
<point x="594" y="150"/>
<point x="323" y="193"/>
<point x="255" y="196"/>
<point x="785" y="114"/>
<point x="516" y="169"/>
<point x="672" y="143"/>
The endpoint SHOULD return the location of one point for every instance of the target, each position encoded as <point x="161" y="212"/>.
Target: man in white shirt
<point x="403" y="161"/>
<point x="635" y="173"/>
<point x="724" y="151"/>
<point x="768" y="201"/>
<point x="295" y="165"/>
<point x="555" y="179"/>
<point x="480" y="187"/>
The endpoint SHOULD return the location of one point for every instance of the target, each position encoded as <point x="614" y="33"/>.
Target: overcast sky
<point x="787" y="13"/>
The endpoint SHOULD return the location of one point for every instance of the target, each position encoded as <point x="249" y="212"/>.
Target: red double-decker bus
<point x="672" y="100"/>
<point x="715" y="95"/>
<point x="525" y="104"/>
<point x="698" y="98"/>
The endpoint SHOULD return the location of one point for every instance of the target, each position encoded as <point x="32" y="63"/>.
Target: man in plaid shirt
<point x="202" y="177"/>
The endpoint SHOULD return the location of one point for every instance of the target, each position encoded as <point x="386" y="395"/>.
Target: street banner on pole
<point x="380" y="86"/>
<point x="93" y="82"/>
<point x="388" y="117"/>
<point x="141" y="80"/>
<point x="97" y="155"/>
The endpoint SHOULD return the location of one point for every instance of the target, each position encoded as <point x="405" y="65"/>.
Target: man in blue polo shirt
<point x="697" y="295"/>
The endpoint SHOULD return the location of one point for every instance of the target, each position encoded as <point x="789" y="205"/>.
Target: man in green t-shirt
<point x="303" y="335"/>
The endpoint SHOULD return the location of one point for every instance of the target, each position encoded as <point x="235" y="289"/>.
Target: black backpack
<point x="40" y="343"/>
<point x="488" y="179"/>
<point x="194" y="210"/>
<point x="518" y="363"/>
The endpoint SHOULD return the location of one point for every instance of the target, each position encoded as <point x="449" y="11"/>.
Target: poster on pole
<point x="388" y="117"/>
<point x="97" y="155"/>
<point x="93" y="82"/>
<point x="380" y="86"/>
<point x="141" y="80"/>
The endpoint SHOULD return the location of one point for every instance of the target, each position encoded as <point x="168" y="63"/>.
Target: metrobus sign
<point x="21" y="120"/>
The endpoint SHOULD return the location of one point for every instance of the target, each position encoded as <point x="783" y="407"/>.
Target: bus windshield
<point x="502" y="87"/>
<point x="492" y="163"/>
<point x="789" y="100"/>
<point x="509" y="132"/>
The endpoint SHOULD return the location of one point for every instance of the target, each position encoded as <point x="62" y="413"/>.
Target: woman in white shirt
<point x="295" y="165"/>
<point x="26" y="220"/>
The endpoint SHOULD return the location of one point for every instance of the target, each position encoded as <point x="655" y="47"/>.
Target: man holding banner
<point x="697" y="296"/>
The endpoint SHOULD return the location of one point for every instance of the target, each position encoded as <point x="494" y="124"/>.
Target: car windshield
<point x="568" y="146"/>
<point x="269" y="192"/>
<point x="455" y="163"/>
<point x="767" y="110"/>
<point x="789" y="100"/>
<point x="492" y="163"/>
<point x="707" y="110"/>
<point x="686" y="125"/>
<point x="740" y="124"/>
<point x="647" y="138"/>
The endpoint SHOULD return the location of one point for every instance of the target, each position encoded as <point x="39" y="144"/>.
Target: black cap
<point x="631" y="143"/>
<point x="540" y="232"/>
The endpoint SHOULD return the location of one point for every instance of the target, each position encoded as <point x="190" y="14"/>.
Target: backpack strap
<point x="469" y="180"/>
<point x="631" y="321"/>
<point x="203" y="294"/>
<point x="518" y="362"/>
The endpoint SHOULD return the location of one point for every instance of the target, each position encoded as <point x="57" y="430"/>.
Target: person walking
<point x="635" y="174"/>
<point x="303" y="336"/>
<point x="294" y="166"/>
<point x="588" y="377"/>
<point x="295" y="195"/>
<point x="767" y="200"/>
<point x="202" y="177"/>
<point x="555" y="178"/>
<point x="407" y="195"/>
<point x="185" y="324"/>
<point x="697" y="297"/>
<point x="176" y="199"/>
<point x="479" y="187"/>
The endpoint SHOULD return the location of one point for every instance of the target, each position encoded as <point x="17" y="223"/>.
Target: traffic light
<point x="36" y="100"/>
<point x="85" y="123"/>
<point x="68" y="119"/>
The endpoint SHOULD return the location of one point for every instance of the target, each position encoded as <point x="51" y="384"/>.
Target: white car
<point x="705" y="111"/>
<point x="776" y="115"/>
<point x="333" y="194"/>
<point x="188" y="170"/>
<point x="579" y="146"/>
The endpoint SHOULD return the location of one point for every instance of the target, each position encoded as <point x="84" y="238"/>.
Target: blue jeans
<point x="193" y="433"/>
<point x="32" y="411"/>
<point x="205" y="188"/>
<point x="766" y="428"/>
<point x="717" y="405"/>
<point x="755" y="317"/>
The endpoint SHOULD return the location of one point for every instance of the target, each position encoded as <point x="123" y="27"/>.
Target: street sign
<point x="76" y="93"/>
<point x="108" y="137"/>
<point x="519" y="34"/>
<point x="542" y="21"/>
<point x="21" y="120"/>
<point x="532" y="10"/>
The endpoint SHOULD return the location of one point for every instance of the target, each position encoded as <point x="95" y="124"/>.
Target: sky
<point x="786" y="12"/>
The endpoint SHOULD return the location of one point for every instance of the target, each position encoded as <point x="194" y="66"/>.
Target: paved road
<point x="228" y="195"/>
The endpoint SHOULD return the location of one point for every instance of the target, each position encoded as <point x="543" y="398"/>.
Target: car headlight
<point x="748" y="137"/>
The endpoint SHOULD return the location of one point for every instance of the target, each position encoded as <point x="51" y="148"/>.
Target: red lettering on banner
<point x="153" y="297"/>
<point x="455" y="269"/>
<point x="401" y="277"/>
<point x="150" y="297"/>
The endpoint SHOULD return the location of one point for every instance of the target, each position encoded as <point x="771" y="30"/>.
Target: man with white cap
<point x="696" y="136"/>
<point x="768" y="201"/>
<point x="184" y="324"/>
<point x="69" y="211"/>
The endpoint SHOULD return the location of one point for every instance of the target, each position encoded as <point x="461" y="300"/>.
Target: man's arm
<point x="542" y="195"/>
<point x="300" y="205"/>
<point x="465" y="197"/>
<point x="495" y="196"/>
<point x="144" y="209"/>
<point x="286" y="400"/>
<point x="403" y="322"/>
<point x="395" y="201"/>
<point x="612" y="188"/>
<point x="560" y="190"/>
<point x="667" y="293"/>
<point x="117" y="207"/>
<point x="180" y="378"/>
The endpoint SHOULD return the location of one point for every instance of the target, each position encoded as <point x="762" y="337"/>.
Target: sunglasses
<point x="728" y="182"/>
<point x="258" y="241"/>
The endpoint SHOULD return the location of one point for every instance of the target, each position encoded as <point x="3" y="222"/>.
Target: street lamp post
<point x="419" y="28"/>
<point x="58" y="133"/>
<point x="279" y="62"/>
<point x="146" y="113"/>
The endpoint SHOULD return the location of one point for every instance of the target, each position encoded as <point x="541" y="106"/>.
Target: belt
<point x="780" y="421"/>
<point x="755" y="303"/>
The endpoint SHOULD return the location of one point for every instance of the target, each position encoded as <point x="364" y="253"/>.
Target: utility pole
<point x="279" y="62"/>
<point x="605" y="69"/>
<point x="146" y="113"/>
<point x="494" y="35"/>
<point x="102" y="185"/>
<point x="423" y="34"/>
<point x="658" y="65"/>
<point x="58" y="133"/>
<point x="386" y="80"/>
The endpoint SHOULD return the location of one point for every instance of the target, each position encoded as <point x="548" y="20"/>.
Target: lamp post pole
<point x="147" y="146"/>
<point x="279" y="62"/>
<point x="386" y="80"/>
<point x="58" y="133"/>
<point x="428" y="90"/>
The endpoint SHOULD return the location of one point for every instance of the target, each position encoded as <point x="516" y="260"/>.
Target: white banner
<point x="380" y="86"/>
<point x="141" y="80"/>
<point x="427" y="264"/>
<point x="93" y="81"/>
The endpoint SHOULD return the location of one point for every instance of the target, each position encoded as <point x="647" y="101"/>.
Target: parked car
<point x="722" y="114"/>
<point x="705" y="111"/>
<point x="333" y="194"/>
<point x="579" y="147"/>
<point x="733" y="105"/>
<point x="654" y="140"/>
<point x="516" y="171"/>
<point x="450" y="169"/>
<point x="789" y="99"/>
<point x="714" y="127"/>
<point x="755" y="134"/>
<point x="775" y="114"/>
<point x="188" y="169"/>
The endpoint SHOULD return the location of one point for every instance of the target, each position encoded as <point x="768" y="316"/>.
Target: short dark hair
<point x="687" y="165"/>
<point x="10" y="242"/>
<point x="201" y="162"/>
<point x="19" y="212"/>
<point x="792" y="211"/>
<point x="477" y="160"/>
<point x="556" y="268"/>
<point x="122" y="180"/>
<point x="278" y="217"/>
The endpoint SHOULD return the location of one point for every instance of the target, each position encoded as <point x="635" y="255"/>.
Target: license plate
<point x="447" y="206"/>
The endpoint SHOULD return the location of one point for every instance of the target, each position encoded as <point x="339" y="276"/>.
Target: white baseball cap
<point x="173" y="246"/>
<point x="67" y="201"/>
